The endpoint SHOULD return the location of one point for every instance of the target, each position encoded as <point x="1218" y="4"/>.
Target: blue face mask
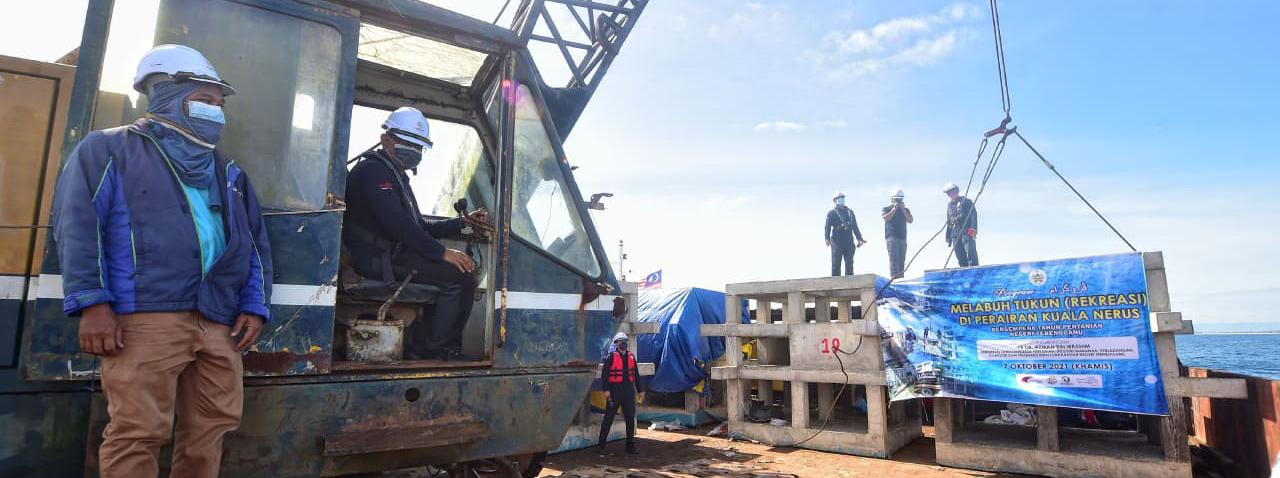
<point x="205" y="111"/>
<point x="622" y="345"/>
<point x="187" y="136"/>
<point x="408" y="156"/>
<point x="840" y="201"/>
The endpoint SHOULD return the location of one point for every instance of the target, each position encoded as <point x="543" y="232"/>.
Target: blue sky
<point x="734" y="122"/>
<point x="724" y="127"/>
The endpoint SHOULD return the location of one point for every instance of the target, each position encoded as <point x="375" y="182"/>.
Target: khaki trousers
<point x="172" y="362"/>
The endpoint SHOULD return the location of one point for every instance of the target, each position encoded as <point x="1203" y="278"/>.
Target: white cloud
<point x="918" y="40"/>
<point x="927" y="51"/>
<point x="780" y="126"/>
<point x="832" y="124"/>
<point x="877" y="38"/>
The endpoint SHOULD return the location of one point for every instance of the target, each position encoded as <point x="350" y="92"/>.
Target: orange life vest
<point x="616" y="370"/>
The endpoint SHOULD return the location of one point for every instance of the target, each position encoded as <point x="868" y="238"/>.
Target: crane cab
<point x="314" y="80"/>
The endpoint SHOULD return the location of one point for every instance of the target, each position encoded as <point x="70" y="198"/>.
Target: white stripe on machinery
<point x="13" y="287"/>
<point x="297" y="294"/>
<point x="550" y="301"/>
<point x="50" y="287"/>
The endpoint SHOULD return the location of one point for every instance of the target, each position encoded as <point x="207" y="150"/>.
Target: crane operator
<point x="388" y="239"/>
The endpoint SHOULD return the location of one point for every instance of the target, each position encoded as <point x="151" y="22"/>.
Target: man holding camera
<point x="896" y="217"/>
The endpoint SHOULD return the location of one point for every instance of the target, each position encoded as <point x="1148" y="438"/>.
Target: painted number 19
<point x="830" y="345"/>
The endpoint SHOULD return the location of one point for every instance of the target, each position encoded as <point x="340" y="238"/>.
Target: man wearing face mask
<point x="165" y="260"/>
<point x="839" y="231"/>
<point x="620" y="377"/>
<point x="388" y="239"/>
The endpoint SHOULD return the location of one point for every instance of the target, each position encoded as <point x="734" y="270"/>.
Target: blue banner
<point x="1067" y="333"/>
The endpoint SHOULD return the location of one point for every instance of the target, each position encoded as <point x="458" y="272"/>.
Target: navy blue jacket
<point x="124" y="233"/>
<point x="841" y="226"/>
<point x="961" y="216"/>
<point x="381" y="203"/>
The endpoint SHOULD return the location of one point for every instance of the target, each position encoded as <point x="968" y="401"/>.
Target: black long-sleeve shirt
<point x="841" y="225"/>
<point x="961" y="216"/>
<point x="380" y="201"/>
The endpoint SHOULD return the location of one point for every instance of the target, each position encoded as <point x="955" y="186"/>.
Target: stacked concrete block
<point x="822" y="355"/>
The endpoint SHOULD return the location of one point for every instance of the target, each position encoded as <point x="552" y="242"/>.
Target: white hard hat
<point x="407" y="123"/>
<point x="838" y="194"/>
<point x="620" y="336"/>
<point x="950" y="187"/>
<point x="897" y="193"/>
<point x="180" y="62"/>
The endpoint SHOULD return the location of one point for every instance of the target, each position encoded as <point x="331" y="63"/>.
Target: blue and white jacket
<point x="124" y="233"/>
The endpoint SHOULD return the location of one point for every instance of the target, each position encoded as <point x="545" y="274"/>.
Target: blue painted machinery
<point x="308" y="72"/>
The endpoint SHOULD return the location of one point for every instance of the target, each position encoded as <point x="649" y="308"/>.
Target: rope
<point x="502" y="11"/>
<point x="1049" y="165"/>
<point x="1004" y="76"/>
<point x="996" y="154"/>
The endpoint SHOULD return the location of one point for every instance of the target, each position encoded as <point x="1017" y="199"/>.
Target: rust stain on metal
<point x="392" y="422"/>
<point x="403" y="438"/>
<point x="282" y="362"/>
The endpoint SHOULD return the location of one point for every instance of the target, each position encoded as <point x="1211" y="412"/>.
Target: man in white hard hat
<point x="962" y="226"/>
<point x="388" y="239"/>
<point x="620" y="378"/>
<point x="896" y="217"/>
<point x="165" y="259"/>
<point x="839" y="231"/>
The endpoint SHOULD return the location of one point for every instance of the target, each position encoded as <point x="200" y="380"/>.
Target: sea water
<point x="1256" y="354"/>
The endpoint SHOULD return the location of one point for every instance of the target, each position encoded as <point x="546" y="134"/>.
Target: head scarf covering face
<point x="188" y="141"/>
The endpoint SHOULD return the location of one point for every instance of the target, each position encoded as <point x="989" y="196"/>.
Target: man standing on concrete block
<point x="896" y="217"/>
<point x="962" y="226"/>
<point x="839" y="231"/>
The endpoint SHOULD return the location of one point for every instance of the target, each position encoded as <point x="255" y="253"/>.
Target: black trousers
<point x="897" y="255"/>
<point x="842" y="250"/>
<point x="443" y="330"/>
<point x="623" y="394"/>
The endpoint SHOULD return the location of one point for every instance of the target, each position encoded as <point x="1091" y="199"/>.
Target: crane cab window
<point x="544" y="211"/>
<point x="280" y="123"/>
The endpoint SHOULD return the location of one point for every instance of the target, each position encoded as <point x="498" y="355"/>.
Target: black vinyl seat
<point x="381" y="291"/>
<point x="358" y="287"/>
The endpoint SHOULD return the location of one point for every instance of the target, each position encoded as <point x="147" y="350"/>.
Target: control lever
<point x="460" y="207"/>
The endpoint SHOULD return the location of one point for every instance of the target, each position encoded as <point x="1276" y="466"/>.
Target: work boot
<point x="631" y="448"/>
<point x="600" y="448"/>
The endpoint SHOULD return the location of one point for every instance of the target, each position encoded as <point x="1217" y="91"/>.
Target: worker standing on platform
<point x="839" y="231"/>
<point x="620" y="377"/>
<point x="896" y="217"/>
<point x="962" y="226"/>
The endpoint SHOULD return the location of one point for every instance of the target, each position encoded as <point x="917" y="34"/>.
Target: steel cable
<point x="1004" y="76"/>
<point x="1049" y="165"/>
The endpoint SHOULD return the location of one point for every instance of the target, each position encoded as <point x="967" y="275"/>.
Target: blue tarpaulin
<point x="679" y="352"/>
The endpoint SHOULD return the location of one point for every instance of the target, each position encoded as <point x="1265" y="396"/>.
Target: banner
<point x="1068" y="333"/>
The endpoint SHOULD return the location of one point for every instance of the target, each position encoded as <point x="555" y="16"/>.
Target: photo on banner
<point x="1066" y="333"/>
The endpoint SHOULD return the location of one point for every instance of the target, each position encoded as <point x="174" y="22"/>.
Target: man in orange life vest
<point x="619" y="376"/>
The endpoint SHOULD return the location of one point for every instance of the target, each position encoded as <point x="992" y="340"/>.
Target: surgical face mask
<point x="622" y="345"/>
<point x="408" y="156"/>
<point x="205" y="111"/>
<point x="840" y="201"/>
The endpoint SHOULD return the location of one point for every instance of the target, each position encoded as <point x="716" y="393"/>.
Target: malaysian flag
<point x="652" y="281"/>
